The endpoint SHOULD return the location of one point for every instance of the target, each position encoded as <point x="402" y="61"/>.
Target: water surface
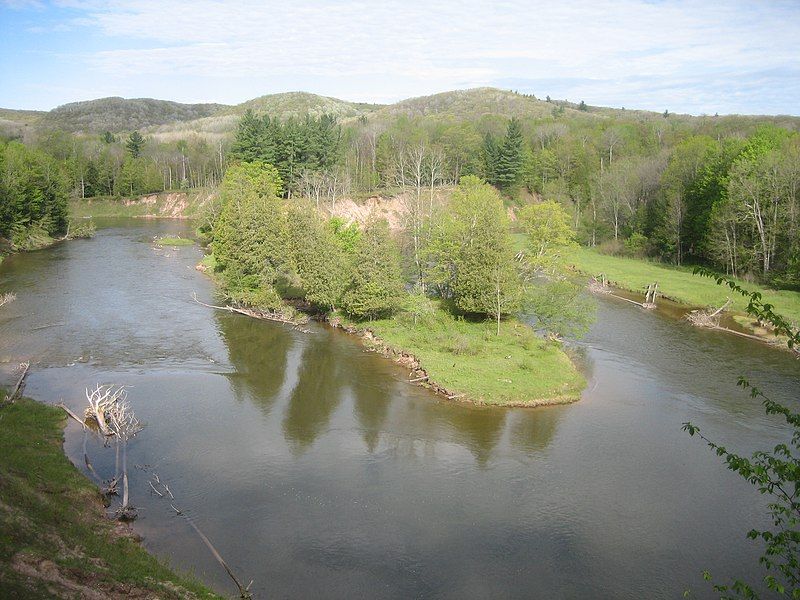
<point x="318" y="471"/>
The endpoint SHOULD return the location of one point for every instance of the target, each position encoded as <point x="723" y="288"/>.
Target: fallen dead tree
<point x="599" y="285"/>
<point x="110" y="416"/>
<point x="20" y="385"/>
<point x="708" y="317"/>
<point x="258" y="314"/>
<point x="161" y="489"/>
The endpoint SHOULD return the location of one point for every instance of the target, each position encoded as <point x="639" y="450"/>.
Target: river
<point x="318" y="471"/>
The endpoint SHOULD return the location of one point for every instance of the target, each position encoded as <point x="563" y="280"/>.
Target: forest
<point x="717" y="191"/>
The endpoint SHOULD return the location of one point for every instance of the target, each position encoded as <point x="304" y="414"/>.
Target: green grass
<point x="50" y="512"/>
<point x="514" y="368"/>
<point x="677" y="283"/>
<point x="174" y="241"/>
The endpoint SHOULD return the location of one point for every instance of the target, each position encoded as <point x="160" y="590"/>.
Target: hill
<point x="121" y="114"/>
<point x="13" y="123"/>
<point x="282" y="106"/>
<point x="299" y="104"/>
<point x="473" y="104"/>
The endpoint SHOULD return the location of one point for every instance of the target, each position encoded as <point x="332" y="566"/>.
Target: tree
<point x="509" y="157"/>
<point x="474" y="253"/>
<point x="376" y="287"/>
<point x="320" y="261"/>
<point x="249" y="238"/>
<point x="135" y="144"/>
<point x="582" y="106"/>
<point x="547" y="226"/>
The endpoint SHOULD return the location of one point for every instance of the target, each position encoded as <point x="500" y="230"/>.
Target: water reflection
<point x="259" y="354"/>
<point x="315" y="396"/>
<point x="533" y="431"/>
<point x="319" y="472"/>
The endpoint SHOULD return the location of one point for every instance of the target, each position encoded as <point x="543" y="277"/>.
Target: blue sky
<point x="695" y="57"/>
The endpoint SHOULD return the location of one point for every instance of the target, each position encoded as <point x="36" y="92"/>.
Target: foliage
<point x="293" y="146"/>
<point x="319" y="258"/>
<point x="376" y="286"/>
<point x="549" y="233"/>
<point x="249" y="236"/>
<point x="474" y="253"/>
<point x="561" y="307"/>
<point x="33" y="194"/>
<point x="135" y="144"/>
<point x="775" y="473"/>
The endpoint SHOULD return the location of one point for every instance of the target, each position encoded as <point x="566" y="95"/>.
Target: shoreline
<point x="419" y="372"/>
<point x="61" y="544"/>
<point x="741" y="320"/>
<point x="420" y="376"/>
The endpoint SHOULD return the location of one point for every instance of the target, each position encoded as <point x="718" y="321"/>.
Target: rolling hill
<point x="167" y="121"/>
<point x="120" y="114"/>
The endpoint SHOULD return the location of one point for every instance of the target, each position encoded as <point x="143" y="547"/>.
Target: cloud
<point x="579" y="47"/>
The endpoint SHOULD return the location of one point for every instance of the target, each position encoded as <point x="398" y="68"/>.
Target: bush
<point x="636" y="245"/>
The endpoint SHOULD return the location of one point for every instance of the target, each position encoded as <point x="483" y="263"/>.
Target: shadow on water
<point x="259" y="353"/>
<point x="316" y="395"/>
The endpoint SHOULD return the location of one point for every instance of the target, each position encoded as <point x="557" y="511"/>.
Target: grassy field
<point x="677" y="283"/>
<point x="514" y="368"/>
<point x="55" y="541"/>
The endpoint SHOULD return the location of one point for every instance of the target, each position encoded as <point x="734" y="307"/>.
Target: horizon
<point x="323" y="95"/>
<point x="682" y="56"/>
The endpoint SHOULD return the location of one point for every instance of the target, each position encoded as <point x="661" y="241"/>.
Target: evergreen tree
<point x="249" y="240"/>
<point x="376" y="287"/>
<point x="509" y="157"/>
<point x="135" y="144"/>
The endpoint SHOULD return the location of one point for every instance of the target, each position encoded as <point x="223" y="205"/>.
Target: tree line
<point x="717" y="191"/>
<point x="268" y="248"/>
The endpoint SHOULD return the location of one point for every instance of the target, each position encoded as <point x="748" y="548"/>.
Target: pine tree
<point x="509" y="157"/>
<point x="135" y="144"/>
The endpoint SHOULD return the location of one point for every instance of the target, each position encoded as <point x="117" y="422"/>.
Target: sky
<point x="682" y="56"/>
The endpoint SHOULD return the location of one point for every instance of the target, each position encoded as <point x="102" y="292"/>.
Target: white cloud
<point x="421" y="46"/>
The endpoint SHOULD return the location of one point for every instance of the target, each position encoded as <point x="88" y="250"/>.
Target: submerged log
<point x="244" y="591"/>
<point x="257" y="314"/>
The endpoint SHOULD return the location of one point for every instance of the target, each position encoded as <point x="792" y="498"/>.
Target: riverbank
<point x="467" y="361"/>
<point x="677" y="283"/>
<point x="165" y="205"/>
<point x="55" y="540"/>
<point x="464" y="360"/>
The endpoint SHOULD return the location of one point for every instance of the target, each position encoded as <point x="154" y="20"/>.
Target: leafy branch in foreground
<point x="775" y="473"/>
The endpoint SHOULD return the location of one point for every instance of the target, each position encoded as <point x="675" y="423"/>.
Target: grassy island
<point x="55" y="541"/>
<point x="473" y="363"/>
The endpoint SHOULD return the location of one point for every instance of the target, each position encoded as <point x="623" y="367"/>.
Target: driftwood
<point x="599" y="285"/>
<point x="708" y="317"/>
<point x="244" y="591"/>
<point x="20" y="385"/>
<point x="7" y="298"/>
<point x="71" y="414"/>
<point x="256" y="314"/>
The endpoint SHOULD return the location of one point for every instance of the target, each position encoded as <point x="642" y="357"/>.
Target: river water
<point x="317" y="471"/>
